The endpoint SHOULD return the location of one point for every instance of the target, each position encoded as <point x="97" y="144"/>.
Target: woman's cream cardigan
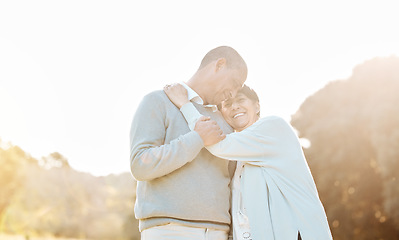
<point x="274" y="194"/>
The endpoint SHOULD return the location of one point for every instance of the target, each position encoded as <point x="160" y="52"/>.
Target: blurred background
<point x="73" y="72"/>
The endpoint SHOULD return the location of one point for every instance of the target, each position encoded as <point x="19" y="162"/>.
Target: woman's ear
<point x="257" y="106"/>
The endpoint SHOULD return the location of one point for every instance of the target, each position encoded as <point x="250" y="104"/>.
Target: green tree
<point x="55" y="159"/>
<point x="13" y="161"/>
<point x="353" y="128"/>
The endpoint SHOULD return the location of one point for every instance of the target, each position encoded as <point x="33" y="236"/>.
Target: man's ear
<point x="220" y="63"/>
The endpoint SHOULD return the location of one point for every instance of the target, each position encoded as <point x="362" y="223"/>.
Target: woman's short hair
<point x="249" y="93"/>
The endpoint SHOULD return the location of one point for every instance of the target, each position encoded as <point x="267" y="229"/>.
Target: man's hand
<point x="209" y="131"/>
<point x="177" y="94"/>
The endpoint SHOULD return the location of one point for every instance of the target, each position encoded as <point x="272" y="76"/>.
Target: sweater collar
<point x="194" y="97"/>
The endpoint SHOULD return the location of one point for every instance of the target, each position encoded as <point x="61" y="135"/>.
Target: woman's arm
<point x="208" y="129"/>
<point x="250" y="145"/>
<point x="178" y="95"/>
<point x="253" y="144"/>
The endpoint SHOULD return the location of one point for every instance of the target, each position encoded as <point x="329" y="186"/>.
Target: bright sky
<point x="73" y="72"/>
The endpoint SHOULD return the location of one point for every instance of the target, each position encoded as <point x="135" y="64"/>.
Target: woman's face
<point x="240" y="112"/>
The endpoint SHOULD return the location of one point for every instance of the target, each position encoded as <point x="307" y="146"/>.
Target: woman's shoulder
<point x="272" y="124"/>
<point x="272" y="120"/>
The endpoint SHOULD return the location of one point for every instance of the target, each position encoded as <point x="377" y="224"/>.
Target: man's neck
<point x="195" y="84"/>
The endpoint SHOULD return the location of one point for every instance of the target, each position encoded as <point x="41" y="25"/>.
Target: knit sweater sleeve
<point x="253" y="145"/>
<point x="191" y="114"/>
<point x="260" y="144"/>
<point x="256" y="145"/>
<point x="150" y="156"/>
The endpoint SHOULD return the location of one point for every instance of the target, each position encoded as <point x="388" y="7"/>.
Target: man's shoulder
<point x="156" y="96"/>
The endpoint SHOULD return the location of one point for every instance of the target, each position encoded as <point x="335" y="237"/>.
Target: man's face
<point x="225" y="85"/>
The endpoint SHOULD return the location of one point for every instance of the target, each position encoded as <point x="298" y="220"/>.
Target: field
<point x="21" y="237"/>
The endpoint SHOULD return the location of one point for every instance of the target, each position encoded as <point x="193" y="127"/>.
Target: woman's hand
<point x="177" y="94"/>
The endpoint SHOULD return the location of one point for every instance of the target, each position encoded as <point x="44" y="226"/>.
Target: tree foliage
<point x="12" y="161"/>
<point x="47" y="197"/>
<point x="353" y="128"/>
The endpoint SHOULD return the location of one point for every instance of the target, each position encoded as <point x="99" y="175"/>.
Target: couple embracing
<point x="209" y="167"/>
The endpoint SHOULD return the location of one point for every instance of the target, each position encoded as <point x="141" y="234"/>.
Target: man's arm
<point x="150" y="157"/>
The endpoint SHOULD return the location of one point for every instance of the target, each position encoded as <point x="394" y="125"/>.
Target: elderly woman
<point x="274" y="194"/>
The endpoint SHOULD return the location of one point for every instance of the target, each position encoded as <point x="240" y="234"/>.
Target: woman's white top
<point x="274" y="194"/>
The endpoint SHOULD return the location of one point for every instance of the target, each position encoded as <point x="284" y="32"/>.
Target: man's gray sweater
<point x="178" y="180"/>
